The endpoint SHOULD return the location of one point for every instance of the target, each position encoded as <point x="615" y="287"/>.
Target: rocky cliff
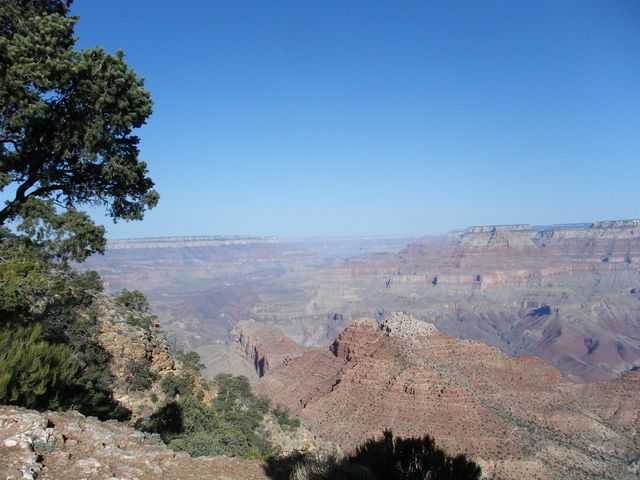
<point x="266" y="347"/>
<point x="128" y="343"/>
<point x="187" y="242"/>
<point x="514" y="415"/>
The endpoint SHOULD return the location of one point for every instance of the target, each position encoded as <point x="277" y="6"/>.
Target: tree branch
<point x="21" y="197"/>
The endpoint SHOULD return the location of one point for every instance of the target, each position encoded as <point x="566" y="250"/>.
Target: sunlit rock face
<point x="514" y="415"/>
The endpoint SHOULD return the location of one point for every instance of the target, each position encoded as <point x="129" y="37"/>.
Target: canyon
<point x="516" y="345"/>
<point x="568" y="294"/>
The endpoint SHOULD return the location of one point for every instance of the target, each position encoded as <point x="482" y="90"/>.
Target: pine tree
<point x="32" y="369"/>
<point x="66" y="130"/>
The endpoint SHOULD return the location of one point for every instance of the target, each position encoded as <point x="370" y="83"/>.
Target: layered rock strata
<point x="266" y="347"/>
<point x="515" y="416"/>
<point x="565" y="293"/>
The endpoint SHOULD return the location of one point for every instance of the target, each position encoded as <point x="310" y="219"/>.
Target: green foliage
<point x="66" y="131"/>
<point x="31" y="283"/>
<point x="141" y="320"/>
<point x="229" y="425"/>
<point x="233" y="392"/>
<point x="32" y="370"/>
<point x="139" y="375"/>
<point x="263" y="404"/>
<point x="67" y="235"/>
<point x="134" y="300"/>
<point x="166" y="422"/>
<point x="192" y="362"/>
<point x="173" y="385"/>
<point x="136" y="308"/>
<point x="284" y="419"/>
<point x="88" y="281"/>
<point x="36" y="290"/>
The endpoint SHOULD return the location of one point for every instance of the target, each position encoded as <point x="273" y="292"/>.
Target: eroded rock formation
<point x="266" y="347"/>
<point x="562" y="293"/>
<point x="514" y="415"/>
<point x="565" y="293"/>
<point x="126" y="344"/>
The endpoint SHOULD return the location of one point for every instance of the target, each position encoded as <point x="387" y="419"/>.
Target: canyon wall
<point x="569" y="294"/>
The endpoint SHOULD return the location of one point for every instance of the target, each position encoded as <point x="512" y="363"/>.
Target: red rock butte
<point x="514" y="415"/>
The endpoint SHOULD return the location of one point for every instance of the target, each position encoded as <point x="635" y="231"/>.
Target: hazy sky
<point x="300" y="118"/>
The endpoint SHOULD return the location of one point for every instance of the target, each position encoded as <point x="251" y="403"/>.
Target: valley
<point x="568" y="294"/>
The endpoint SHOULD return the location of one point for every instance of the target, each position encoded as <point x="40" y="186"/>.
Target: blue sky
<point x="345" y="117"/>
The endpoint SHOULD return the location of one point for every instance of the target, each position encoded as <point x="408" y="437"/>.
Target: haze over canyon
<point x="568" y="294"/>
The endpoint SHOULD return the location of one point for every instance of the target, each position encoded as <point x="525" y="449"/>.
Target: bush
<point x="198" y="444"/>
<point x="387" y="458"/>
<point x="173" y="385"/>
<point x="139" y="375"/>
<point x="191" y="362"/>
<point x="136" y="308"/>
<point x="263" y="404"/>
<point x="134" y="300"/>
<point x="33" y="372"/>
<point x="141" y="320"/>
<point x="89" y="281"/>
<point x="229" y="425"/>
<point x="166" y="422"/>
<point x="284" y="419"/>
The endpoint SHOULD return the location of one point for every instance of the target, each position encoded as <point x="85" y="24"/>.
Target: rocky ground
<point x="72" y="447"/>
